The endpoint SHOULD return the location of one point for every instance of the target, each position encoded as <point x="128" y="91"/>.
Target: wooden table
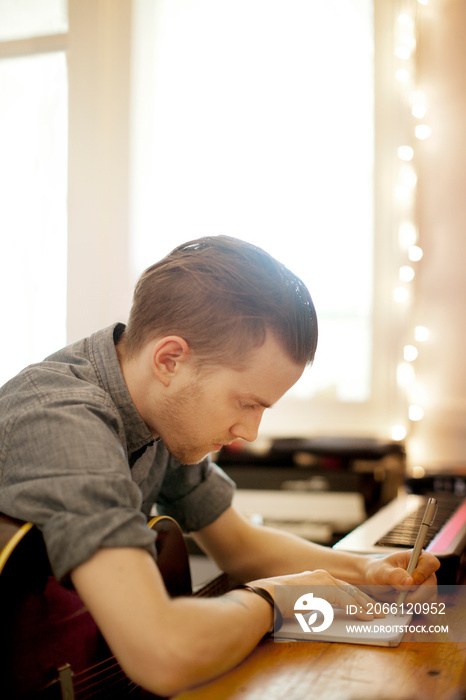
<point x="415" y="670"/>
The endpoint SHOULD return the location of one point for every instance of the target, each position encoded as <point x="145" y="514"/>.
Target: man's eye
<point x="246" y="405"/>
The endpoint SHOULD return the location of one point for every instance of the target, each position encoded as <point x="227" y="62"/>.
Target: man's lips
<point x="218" y="445"/>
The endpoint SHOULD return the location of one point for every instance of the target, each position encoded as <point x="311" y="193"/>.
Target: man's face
<point x="213" y="407"/>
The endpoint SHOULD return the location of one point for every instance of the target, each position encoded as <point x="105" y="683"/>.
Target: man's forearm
<point x="283" y="553"/>
<point x="163" y="644"/>
<point x="212" y="635"/>
<point x="249" y="551"/>
<point x="274" y="553"/>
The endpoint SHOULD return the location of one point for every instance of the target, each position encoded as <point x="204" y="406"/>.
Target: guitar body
<point x="52" y="646"/>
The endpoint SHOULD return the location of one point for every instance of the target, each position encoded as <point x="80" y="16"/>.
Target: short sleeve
<point x="66" y="470"/>
<point x="195" y="495"/>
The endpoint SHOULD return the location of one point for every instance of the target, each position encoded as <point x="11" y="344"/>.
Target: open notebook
<point x="387" y="631"/>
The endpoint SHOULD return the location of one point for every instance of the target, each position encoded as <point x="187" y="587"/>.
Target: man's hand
<point x="250" y="552"/>
<point x="337" y="591"/>
<point x="390" y="574"/>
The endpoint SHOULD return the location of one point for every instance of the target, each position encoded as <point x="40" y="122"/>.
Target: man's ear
<point x="168" y="356"/>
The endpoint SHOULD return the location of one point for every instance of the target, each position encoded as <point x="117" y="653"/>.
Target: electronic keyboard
<point x="395" y="527"/>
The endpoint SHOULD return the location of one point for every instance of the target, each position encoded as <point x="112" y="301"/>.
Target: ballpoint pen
<point x="427" y="520"/>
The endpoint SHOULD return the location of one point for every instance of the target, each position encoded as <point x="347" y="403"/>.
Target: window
<point x="33" y="177"/>
<point x="256" y="119"/>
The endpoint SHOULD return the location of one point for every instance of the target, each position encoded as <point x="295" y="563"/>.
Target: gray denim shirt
<point x="77" y="460"/>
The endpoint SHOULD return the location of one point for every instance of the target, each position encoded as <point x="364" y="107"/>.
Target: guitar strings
<point x="89" y="683"/>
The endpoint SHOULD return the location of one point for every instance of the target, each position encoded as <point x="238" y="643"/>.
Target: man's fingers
<point x="355" y="597"/>
<point x="419" y="577"/>
<point x="400" y="579"/>
<point x="426" y="567"/>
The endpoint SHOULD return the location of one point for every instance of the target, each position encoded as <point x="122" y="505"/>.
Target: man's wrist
<point x="265" y="595"/>
<point x="357" y="570"/>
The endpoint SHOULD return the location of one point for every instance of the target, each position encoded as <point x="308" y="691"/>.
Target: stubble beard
<point x="176" y="417"/>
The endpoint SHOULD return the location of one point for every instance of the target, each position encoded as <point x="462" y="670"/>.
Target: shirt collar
<point x="102" y="348"/>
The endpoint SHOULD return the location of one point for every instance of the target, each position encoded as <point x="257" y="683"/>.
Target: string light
<point x="405" y="42"/>
<point x="403" y="194"/>
<point x="418" y="104"/>
<point x="415" y="413"/>
<point x="406" y="273"/>
<point x="421" y="334"/>
<point x="415" y="253"/>
<point x="422" y="131"/>
<point x="405" y="374"/>
<point x="405" y="20"/>
<point x="405" y="153"/>
<point x="410" y="353"/>
<point x="402" y="74"/>
<point x="407" y="234"/>
<point x="400" y="295"/>
<point x="411" y="253"/>
<point x="407" y="180"/>
<point x="417" y="392"/>
<point x="398" y="432"/>
<point x="408" y="176"/>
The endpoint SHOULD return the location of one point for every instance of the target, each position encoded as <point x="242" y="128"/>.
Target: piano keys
<point x="395" y="526"/>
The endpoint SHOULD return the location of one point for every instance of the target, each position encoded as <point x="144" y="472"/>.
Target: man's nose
<point x="248" y="428"/>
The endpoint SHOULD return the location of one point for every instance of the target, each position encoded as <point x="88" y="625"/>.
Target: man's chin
<point x="189" y="457"/>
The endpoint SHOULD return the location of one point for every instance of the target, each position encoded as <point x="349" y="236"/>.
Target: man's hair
<point x="222" y="295"/>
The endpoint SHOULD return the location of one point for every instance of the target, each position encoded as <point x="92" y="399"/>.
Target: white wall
<point x="440" y="438"/>
<point x="99" y="150"/>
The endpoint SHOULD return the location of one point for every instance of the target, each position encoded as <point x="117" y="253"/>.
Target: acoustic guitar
<point x="52" y="648"/>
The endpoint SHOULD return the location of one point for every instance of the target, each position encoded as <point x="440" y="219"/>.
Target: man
<point x="101" y="431"/>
